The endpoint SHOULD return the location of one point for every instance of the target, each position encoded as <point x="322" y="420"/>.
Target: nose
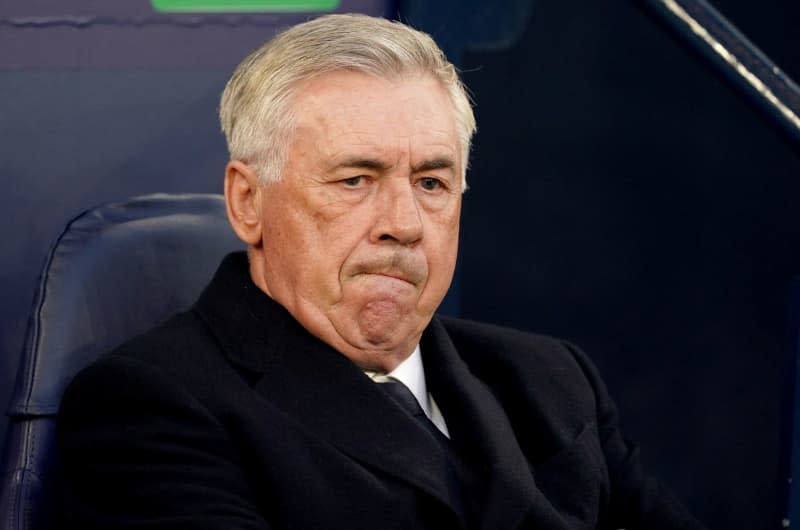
<point x="397" y="214"/>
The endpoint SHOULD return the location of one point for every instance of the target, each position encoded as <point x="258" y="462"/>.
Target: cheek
<point x="340" y="235"/>
<point x="442" y="253"/>
<point x="447" y="230"/>
<point x="291" y="244"/>
<point x="327" y="250"/>
<point x="444" y="266"/>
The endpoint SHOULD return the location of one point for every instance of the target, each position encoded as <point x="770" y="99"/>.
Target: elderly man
<point x="311" y="386"/>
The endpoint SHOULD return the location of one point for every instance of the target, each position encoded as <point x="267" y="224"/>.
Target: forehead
<point x="345" y="110"/>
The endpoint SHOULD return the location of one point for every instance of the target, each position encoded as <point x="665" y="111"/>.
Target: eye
<point x="430" y="183"/>
<point x="353" y="182"/>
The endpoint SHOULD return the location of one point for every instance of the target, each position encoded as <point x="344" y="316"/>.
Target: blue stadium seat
<point x="114" y="272"/>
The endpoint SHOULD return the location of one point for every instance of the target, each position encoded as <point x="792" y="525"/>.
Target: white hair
<point x="255" y="109"/>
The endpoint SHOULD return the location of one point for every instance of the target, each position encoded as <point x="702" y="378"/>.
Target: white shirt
<point x="411" y="373"/>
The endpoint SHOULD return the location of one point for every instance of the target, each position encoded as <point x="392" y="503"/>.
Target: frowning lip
<point x="393" y="275"/>
<point x="404" y="266"/>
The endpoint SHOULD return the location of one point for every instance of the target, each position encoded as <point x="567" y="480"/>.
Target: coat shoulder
<point x="548" y="387"/>
<point x="482" y="344"/>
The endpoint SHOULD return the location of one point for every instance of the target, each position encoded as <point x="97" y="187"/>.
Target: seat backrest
<point x="115" y="271"/>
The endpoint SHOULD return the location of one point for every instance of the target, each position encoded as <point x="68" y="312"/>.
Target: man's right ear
<point x="243" y="194"/>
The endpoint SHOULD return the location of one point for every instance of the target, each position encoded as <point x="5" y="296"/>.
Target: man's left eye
<point x="353" y="181"/>
<point x="430" y="183"/>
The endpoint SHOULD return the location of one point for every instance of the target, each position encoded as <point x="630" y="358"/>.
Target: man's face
<point x="359" y="238"/>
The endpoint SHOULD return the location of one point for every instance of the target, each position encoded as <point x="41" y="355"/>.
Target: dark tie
<point x="405" y="398"/>
<point x="458" y="473"/>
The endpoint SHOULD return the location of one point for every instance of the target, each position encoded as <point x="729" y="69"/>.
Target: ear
<point x="243" y="201"/>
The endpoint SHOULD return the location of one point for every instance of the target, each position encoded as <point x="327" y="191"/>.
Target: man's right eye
<point x="352" y="182"/>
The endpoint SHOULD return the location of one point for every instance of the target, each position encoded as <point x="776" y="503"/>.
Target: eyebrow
<point x="362" y="163"/>
<point x="435" y="163"/>
<point x="377" y="165"/>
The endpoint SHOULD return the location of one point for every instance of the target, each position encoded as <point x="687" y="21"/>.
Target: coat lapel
<point x="317" y="386"/>
<point x="480" y="428"/>
<point x="326" y="392"/>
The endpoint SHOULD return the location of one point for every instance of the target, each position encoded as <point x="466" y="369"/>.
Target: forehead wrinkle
<point x="334" y="131"/>
<point x="365" y="154"/>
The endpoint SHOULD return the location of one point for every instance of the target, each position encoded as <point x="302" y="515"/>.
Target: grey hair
<point x="255" y="109"/>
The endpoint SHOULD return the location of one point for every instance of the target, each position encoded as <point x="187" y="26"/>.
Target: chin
<point x="380" y="338"/>
<point x="385" y="335"/>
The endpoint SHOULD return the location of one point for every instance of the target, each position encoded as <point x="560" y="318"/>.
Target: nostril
<point x="385" y="237"/>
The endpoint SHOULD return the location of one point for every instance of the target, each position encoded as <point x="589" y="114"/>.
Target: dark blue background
<point x="621" y="195"/>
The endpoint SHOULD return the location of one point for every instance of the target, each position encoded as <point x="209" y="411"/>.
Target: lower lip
<point x="391" y="279"/>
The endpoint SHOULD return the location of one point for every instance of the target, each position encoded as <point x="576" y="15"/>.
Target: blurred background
<point x="622" y="195"/>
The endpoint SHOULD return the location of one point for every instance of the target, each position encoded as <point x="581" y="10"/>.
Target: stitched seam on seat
<point x="39" y="306"/>
<point x="32" y="446"/>
<point x="17" y="513"/>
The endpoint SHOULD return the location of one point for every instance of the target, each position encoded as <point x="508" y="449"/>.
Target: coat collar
<point x="327" y="393"/>
<point x="316" y="385"/>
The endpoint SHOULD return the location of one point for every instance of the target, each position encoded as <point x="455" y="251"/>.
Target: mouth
<point x="391" y="275"/>
<point x="403" y="267"/>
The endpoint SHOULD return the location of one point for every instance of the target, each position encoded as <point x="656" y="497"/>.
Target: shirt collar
<point x="411" y="373"/>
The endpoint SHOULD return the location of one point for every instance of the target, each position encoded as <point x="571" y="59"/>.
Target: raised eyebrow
<point x="362" y="163"/>
<point x="435" y="163"/>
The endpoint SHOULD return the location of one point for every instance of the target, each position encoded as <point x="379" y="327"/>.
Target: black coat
<point x="232" y="416"/>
